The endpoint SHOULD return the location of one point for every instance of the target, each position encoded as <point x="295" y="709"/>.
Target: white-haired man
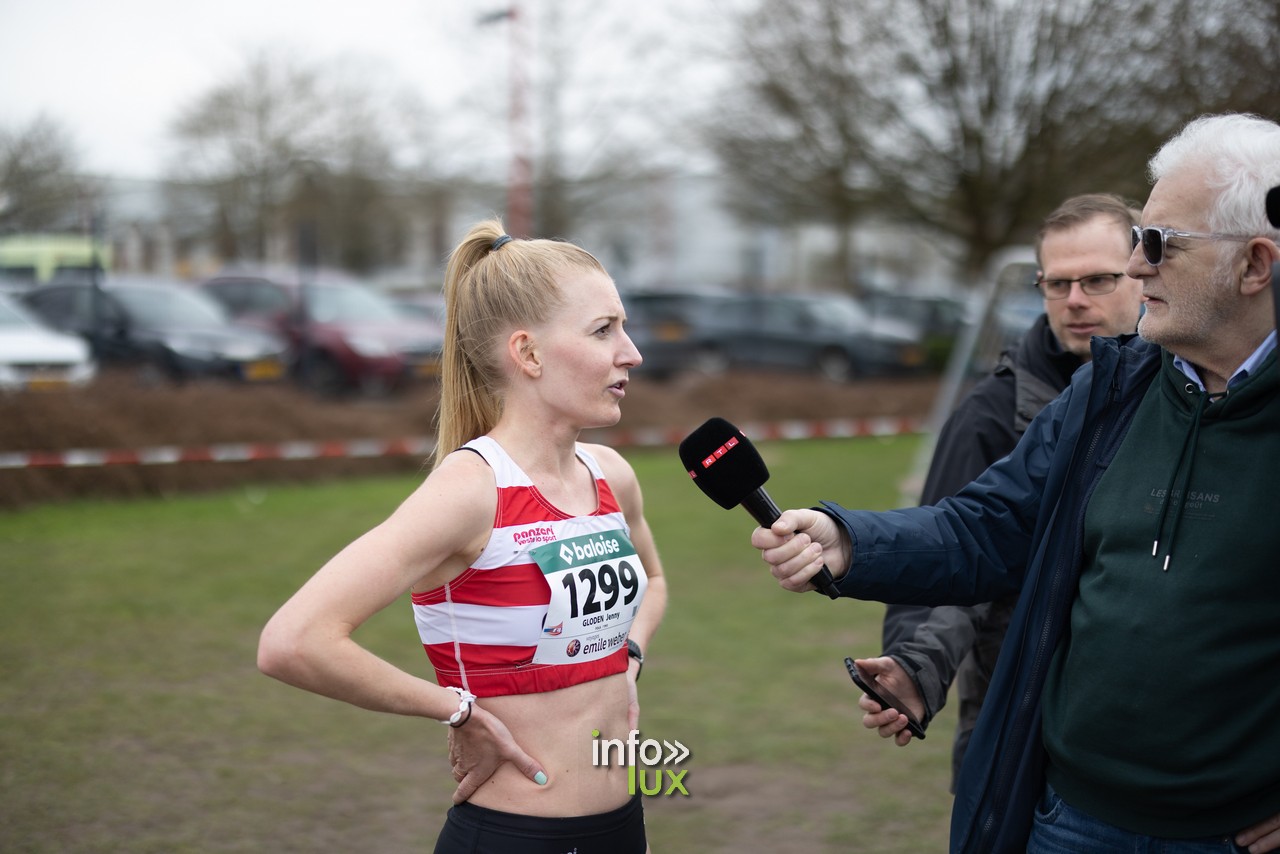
<point x="1134" y="702"/>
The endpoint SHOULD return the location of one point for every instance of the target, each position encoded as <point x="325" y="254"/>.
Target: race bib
<point x="597" y="584"/>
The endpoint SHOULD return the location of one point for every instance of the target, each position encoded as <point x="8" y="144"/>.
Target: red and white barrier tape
<point x="420" y="446"/>
<point x="833" y="428"/>
<point x="222" y="453"/>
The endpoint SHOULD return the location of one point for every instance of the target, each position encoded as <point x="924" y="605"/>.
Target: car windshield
<point x="164" y="307"/>
<point x="346" y="303"/>
<point x="837" y="313"/>
<point x="12" y="317"/>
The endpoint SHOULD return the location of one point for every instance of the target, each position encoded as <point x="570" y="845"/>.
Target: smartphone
<point x="883" y="696"/>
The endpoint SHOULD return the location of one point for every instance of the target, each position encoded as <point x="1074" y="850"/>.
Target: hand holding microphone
<point x="727" y="467"/>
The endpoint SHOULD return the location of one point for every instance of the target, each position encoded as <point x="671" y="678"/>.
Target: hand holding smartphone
<point x="883" y="696"/>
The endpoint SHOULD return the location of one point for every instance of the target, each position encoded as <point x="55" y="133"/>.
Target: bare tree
<point x="594" y="77"/>
<point x="242" y="141"/>
<point x="41" y="185"/>
<point x="597" y="117"/>
<point x="287" y="143"/>
<point x="1212" y="56"/>
<point x="975" y="117"/>
<point x="790" y="140"/>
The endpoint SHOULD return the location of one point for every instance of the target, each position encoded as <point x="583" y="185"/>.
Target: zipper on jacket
<point x="1081" y="484"/>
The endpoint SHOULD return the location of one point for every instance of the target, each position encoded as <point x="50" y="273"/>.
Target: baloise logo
<point x="584" y="549"/>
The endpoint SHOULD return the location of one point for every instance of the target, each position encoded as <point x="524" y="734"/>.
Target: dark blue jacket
<point x="1016" y="529"/>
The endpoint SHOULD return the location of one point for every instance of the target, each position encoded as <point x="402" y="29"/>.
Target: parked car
<point x="342" y="335"/>
<point x="33" y="356"/>
<point x="681" y="330"/>
<point x="428" y="305"/>
<point x="713" y="331"/>
<point x="937" y="320"/>
<point x="830" y="333"/>
<point x="167" y="327"/>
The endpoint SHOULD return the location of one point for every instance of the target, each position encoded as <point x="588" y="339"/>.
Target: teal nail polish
<point x="540" y="778"/>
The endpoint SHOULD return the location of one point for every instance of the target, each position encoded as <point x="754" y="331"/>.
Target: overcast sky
<point x="116" y="73"/>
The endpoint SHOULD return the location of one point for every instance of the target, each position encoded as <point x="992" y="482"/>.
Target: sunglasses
<point x="1155" y="240"/>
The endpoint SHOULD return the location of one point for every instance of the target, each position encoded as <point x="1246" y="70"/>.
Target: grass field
<point x="132" y="717"/>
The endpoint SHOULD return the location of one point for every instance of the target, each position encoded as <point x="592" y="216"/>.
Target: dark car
<point x="342" y="335"/>
<point x="165" y="326"/>
<point x="710" y="332"/>
<point x="829" y="333"/>
<point x="680" y="330"/>
<point x="938" y="320"/>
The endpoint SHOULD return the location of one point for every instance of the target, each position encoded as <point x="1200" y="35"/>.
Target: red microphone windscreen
<point x="723" y="462"/>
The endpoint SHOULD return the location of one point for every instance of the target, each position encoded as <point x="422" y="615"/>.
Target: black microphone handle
<point x="761" y="507"/>
<point x="764" y="511"/>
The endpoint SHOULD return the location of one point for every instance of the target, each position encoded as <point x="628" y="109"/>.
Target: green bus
<point x="36" y="258"/>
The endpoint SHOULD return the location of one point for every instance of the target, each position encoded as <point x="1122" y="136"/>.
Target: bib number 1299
<point x="601" y="581"/>
<point x="596" y="582"/>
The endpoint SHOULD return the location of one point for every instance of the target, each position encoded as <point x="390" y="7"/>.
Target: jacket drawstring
<point x="1188" y="453"/>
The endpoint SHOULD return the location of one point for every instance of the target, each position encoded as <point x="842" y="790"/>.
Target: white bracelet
<point x="465" y="699"/>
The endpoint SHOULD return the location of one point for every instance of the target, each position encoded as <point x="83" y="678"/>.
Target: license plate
<point x="671" y="332"/>
<point x="263" y="369"/>
<point x="46" y="382"/>
<point x="913" y="357"/>
<point x="427" y="369"/>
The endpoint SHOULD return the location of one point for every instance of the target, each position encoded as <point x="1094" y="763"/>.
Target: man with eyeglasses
<point x="1135" y="700"/>
<point x="925" y="649"/>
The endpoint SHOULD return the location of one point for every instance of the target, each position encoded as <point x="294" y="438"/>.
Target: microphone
<point x="728" y="468"/>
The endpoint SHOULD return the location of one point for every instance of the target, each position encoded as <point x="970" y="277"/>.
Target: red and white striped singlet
<point x="481" y="629"/>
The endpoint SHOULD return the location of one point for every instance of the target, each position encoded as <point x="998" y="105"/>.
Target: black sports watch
<point x="633" y="650"/>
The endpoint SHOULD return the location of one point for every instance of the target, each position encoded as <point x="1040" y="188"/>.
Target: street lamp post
<point x="519" y="219"/>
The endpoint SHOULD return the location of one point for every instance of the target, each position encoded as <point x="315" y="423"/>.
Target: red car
<point x="343" y="336"/>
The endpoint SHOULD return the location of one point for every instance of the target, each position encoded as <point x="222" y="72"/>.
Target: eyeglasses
<point x="1094" y="285"/>
<point x="1155" y="240"/>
